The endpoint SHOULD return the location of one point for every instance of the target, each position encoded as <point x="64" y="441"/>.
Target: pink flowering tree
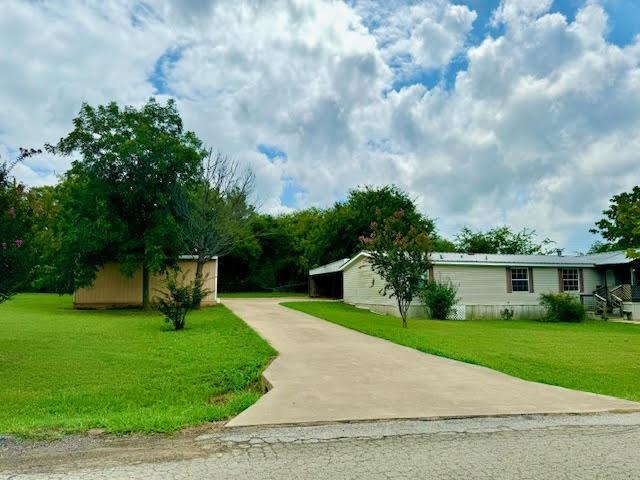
<point x="14" y="225"/>
<point x="399" y="254"/>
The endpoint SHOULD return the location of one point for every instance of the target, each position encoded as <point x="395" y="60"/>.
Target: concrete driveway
<point x="326" y="373"/>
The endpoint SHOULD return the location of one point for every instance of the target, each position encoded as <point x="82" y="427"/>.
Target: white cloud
<point x="539" y="129"/>
<point x="425" y="35"/>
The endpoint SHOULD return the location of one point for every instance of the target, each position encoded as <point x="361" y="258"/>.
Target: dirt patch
<point x="103" y="450"/>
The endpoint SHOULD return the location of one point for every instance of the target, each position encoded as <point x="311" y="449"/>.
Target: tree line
<point x="142" y="190"/>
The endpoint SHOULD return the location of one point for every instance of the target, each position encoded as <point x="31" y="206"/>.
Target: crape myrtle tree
<point x="620" y="226"/>
<point x="123" y="189"/>
<point x="15" y="227"/>
<point x="215" y="212"/>
<point x="400" y="256"/>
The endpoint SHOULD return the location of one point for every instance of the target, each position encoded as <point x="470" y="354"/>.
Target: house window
<point x="520" y="279"/>
<point x="570" y="280"/>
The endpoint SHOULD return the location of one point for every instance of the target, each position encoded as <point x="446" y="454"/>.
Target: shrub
<point x="178" y="298"/>
<point x="439" y="297"/>
<point x="562" y="307"/>
<point x="507" y="313"/>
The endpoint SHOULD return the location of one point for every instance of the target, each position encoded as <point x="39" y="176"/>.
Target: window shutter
<point x="581" y="280"/>
<point x="509" y="285"/>
<point x="431" y="275"/>
<point x="560" y="285"/>
<point x="531" y="280"/>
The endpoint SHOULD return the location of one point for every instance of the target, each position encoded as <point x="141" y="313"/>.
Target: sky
<point x="487" y="112"/>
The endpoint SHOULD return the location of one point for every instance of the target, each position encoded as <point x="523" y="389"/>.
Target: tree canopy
<point x="620" y="225"/>
<point x="400" y="255"/>
<point x="120" y="196"/>
<point x="501" y="240"/>
<point x="350" y="220"/>
<point x="15" y="229"/>
<point x="286" y="246"/>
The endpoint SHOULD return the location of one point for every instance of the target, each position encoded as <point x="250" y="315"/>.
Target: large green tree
<point x="121" y="193"/>
<point x="501" y="240"/>
<point x="620" y="226"/>
<point x="351" y="219"/>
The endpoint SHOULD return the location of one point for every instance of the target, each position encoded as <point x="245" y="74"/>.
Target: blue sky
<point x="624" y="25"/>
<point x="318" y="97"/>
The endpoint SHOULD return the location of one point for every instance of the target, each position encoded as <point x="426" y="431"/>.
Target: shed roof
<point x="193" y="257"/>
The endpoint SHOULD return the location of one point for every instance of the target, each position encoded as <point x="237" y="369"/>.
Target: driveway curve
<point x="325" y="372"/>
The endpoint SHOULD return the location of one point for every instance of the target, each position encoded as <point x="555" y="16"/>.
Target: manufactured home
<point x="487" y="283"/>
<point x="113" y="289"/>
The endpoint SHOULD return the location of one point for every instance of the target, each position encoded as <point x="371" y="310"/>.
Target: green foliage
<point x="283" y="248"/>
<point x="400" y="255"/>
<point x="507" y="314"/>
<point x="442" y="245"/>
<point x="82" y="234"/>
<point x="215" y="210"/>
<point x="562" y="307"/>
<point x="16" y="249"/>
<point x="352" y="219"/>
<point x="178" y="298"/>
<point x="557" y="354"/>
<point x="117" y="370"/>
<point x="119" y="198"/>
<point x="275" y="256"/>
<point x="501" y="240"/>
<point x="439" y="297"/>
<point x="620" y="226"/>
<point x="601" y="247"/>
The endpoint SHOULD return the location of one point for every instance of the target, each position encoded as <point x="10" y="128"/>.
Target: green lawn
<point x="64" y="370"/>
<point x="223" y="295"/>
<point x="594" y="356"/>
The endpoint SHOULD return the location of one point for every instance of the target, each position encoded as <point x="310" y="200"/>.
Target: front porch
<point x="619" y="293"/>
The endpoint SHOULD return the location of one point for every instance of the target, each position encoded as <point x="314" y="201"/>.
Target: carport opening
<point x="326" y="285"/>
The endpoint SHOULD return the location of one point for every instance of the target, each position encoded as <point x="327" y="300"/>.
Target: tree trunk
<point x="145" y="287"/>
<point x="403" y="313"/>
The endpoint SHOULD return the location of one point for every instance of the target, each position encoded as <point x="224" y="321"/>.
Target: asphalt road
<point x="603" y="446"/>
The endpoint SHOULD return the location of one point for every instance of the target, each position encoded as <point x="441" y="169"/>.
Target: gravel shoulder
<point x="549" y="447"/>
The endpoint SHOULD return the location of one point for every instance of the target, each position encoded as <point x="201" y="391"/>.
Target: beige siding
<point x="482" y="288"/>
<point x="113" y="289"/>
<point x="362" y="288"/>
<point x="487" y="285"/>
<point x="362" y="285"/>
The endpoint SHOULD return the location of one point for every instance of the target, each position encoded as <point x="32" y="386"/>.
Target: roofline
<point x="322" y="269"/>
<point x="195" y="257"/>
<point x="506" y="264"/>
<point x="354" y="259"/>
<point x="532" y="263"/>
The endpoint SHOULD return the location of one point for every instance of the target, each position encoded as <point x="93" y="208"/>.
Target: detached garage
<point x="112" y="289"/>
<point x="326" y="281"/>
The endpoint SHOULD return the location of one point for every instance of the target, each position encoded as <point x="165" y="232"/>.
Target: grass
<point x="65" y="370"/>
<point x="261" y="295"/>
<point x="593" y="356"/>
